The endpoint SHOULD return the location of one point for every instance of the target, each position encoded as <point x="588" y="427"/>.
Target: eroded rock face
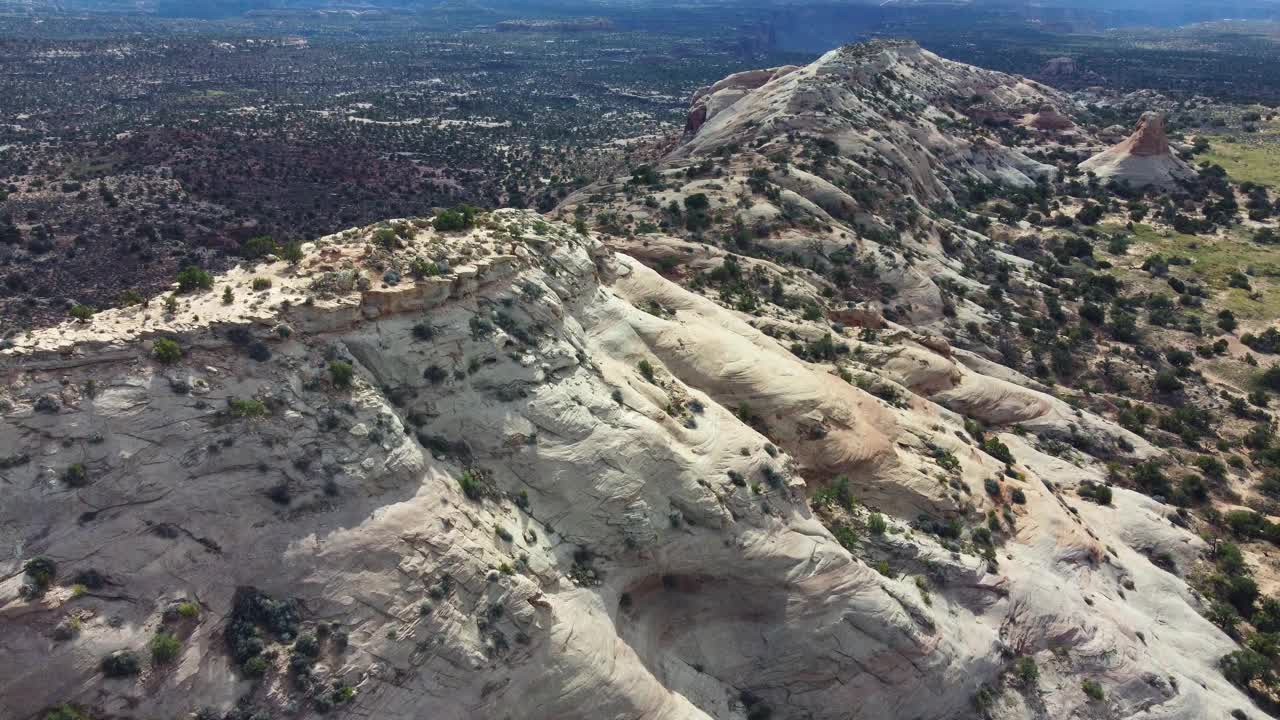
<point x="558" y="486"/>
<point x="1149" y="137"/>
<point x="711" y="100"/>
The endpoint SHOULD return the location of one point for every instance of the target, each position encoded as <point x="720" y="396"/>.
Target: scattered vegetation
<point x="166" y="351"/>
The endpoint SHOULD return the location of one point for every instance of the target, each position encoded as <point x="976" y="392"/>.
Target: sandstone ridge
<point x="554" y="484"/>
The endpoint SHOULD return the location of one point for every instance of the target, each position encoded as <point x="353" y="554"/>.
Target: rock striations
<point x="515" y="471"/>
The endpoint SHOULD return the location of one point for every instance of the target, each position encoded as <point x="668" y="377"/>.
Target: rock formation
<point x="1049" y="119"/>
<point x="1143" y="159"/>
<point x="532" y="493"/>
<point x="710" y="100"/>
<point x="857" y="98"/>
<point x="515" y="471"/>
<point x="1059" y="67"/>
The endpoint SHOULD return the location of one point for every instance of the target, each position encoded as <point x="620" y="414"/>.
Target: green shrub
<point x="257" y="247"/>
<point x="188" y="610"/>
<point x="122" y="663"/>
<point x="1167" y="381"/>
<point x="876" y="524"/>
<point x="1026" y="669"/>
<point x="241" y="408"/>
<point x="1270" y="378"/>
<point x="1093" y="689"/>
<point x="292" y="252"/>
<point x="342" y="373"/>
<point x="646" y="370"/>
<point x="459" y="218"/>
<point x="164" y="647"/>
<point x="166" y="351"/>
<point x="41" y="570"/>
<point x="1097" y="492"/>
<point x="261" y="283"/>
<point x="1242" y="667"/>
<point x="472" y="485"/>
<point x="423" y="268"/>
<point x="66" y="711"/>
<point x="81" y="313"/>
<point x="386" y="237"/>
<point x="836" y="493"/>
<point x="846" y="536"/>
<point x="76" y="475"/>
<point x="255" y="666"/>
<point x="192" y="278"/>
<point x="997" y="449"/>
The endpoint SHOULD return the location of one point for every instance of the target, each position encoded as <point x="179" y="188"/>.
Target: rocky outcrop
<point x="557" y="485"/>
<point x="1141" y="160"/>
<point x="1049" y="119"/>
<point x="711" y="100"/>
<point x="857" y="98"/>
<point x="834" y="182"/>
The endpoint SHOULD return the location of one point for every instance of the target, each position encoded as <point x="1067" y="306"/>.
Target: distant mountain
<point x="840" y="16"/>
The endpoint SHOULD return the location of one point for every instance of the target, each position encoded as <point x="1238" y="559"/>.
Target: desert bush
<point x="251" y="611"/>
<point x="459" y="218"/>
<point x="76" y="475"/>
<point x="122" y="663"/>
<point x="472" y="484"/>
<point x="292" y="252"/>
<point x="246" y="408"/>
<point x="876" y="524"/>
<point x="258" y="247"/>
<point x="1097" y="492"/>
<point x="164" y="647"/>
<point x="166" y="351"/>
<point x="1026" y="670"/>
<point x="255" y="666"/>
<point x="837" y="494"/>
<point x="342" y="373"/>
<point x="192" y="278"/>
<point x="846" y="536"/>
<point x="67" y="711"/>
<point x="993" y="446"/>
<point x="41" y="570"/>
<point x="435" y="374"/>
